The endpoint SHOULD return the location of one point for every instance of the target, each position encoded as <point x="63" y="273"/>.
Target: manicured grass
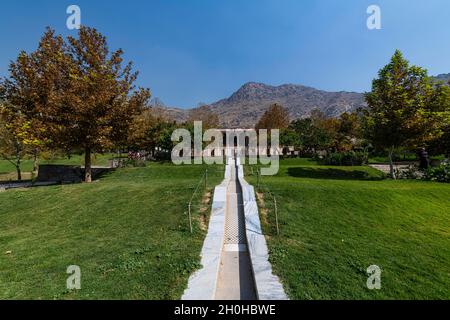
<point x="8" y="171"/>
<point x="335" y="222"/>
<point x="7" y="167"/>
<point x="128" y="232"/>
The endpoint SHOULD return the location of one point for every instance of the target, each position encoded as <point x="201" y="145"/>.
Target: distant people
<point x="424" y="161"/>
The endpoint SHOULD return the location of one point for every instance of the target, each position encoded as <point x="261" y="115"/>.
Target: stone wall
<point x="60" y="173"/>
<point x="66" y="173"/>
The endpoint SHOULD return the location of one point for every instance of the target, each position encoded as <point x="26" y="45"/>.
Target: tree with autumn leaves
<point x="18" y="137"/>
<point x="76" y="92"/>
<point x="151" y="132"/>
<point x="275" y="117"/>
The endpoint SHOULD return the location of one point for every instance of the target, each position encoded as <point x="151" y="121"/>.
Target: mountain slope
<point x="443" y="77"/>
<point x="244" y="107"/>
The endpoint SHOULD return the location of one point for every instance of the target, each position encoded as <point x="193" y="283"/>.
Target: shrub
<point x="440" y="173"/>
<point x="133" y="163"/>
<point x="162" y="156"/>
<point x="351" y="158"/>
<point x="413" y="172"/>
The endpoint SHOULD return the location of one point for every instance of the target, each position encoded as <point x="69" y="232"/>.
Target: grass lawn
<point x="8" y="171"/>
<point x="128" y="232"/>
<point x="337" y="221"/>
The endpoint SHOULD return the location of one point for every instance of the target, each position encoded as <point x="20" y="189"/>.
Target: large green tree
<point x="401" y="108"/>
<point x="309" y="137"/>
<point x="440" y="142"/>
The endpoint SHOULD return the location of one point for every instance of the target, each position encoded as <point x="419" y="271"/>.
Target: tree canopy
<point x="404" y="107"/>
<point x="78" y="90"/>
<point x="276" y="117"/>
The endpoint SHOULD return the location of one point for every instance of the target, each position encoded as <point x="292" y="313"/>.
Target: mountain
<point x="244" y="107"/>
<point x="443" y="77"/>
<point x="174" y="114"/>
<point x="157" y="102"/>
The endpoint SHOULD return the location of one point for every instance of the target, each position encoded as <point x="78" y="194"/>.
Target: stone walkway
<point x="24" y="184"/>
<point x="386" y="168"/>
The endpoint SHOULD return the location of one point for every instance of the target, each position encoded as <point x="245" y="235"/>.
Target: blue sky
<point x="191" y="51"/>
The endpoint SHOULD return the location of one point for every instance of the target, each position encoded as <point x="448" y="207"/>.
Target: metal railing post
<point x="190" y="217"/>
<point x="276" y="215"/>
<point x="257" y="178"/>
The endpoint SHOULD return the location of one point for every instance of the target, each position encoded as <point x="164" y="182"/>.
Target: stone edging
<point x="268" y="286"/>
<point x="202" y="284"/>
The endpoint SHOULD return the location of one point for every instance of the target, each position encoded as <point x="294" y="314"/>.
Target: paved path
<point x="235" y="281"/>
<point x="387" y="169"/>
<point x="24" y="184"/>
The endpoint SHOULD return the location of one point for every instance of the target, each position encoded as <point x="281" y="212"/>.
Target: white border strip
<point x="203" y="283"/>
<point x="268" y="286"/>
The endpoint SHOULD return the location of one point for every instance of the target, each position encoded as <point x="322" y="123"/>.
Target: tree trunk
<point x="391" y="163"/>
<point x="19" y="172"/>
<point x="35" y="160"/>
<point x="87" y="166"/>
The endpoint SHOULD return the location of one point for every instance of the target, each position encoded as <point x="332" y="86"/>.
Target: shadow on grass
<point x="331" y="173"/>
<point x="97" y="174"/>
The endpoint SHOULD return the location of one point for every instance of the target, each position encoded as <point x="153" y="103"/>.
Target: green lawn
<point x="337" y="221"/>
<point x="128" y="232"/>
<point x="8" y="170"/>
<point x="8" y="167"/>
<point x="27" y="165"/>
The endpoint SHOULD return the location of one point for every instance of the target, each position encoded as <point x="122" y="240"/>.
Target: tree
<point x="276" y="117"/>
<point x="138" y="136"/>
<point x="399" y="112"/>
<point x="441" y="142"/>
<point x="79" y="91"/>
<point x="325" y="131"/>
<point x="164" y="136"/>
<point x="102" y="96"/>
<point x="311" y="138"/>
<point x="151" y="131"/>
<point x="348" y="131"/>
<point x="20" y="92"/>
<point x="16" y="137"/>
<point x="289" y="137"/>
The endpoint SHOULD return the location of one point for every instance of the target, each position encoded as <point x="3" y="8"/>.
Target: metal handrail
<point x="258" y="174"/>
<point x="204" y="177"/>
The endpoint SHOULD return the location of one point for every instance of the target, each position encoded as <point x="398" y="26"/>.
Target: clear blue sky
<point x="191" y="51"/>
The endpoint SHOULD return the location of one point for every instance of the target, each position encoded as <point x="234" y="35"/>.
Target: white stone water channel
<point x="234" y="255"/>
